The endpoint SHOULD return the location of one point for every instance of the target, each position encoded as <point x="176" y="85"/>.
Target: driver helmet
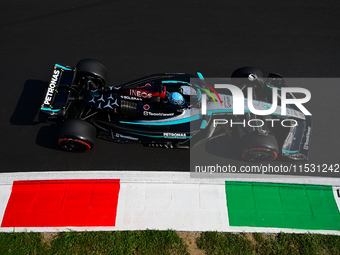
<point x="176" y="98"/>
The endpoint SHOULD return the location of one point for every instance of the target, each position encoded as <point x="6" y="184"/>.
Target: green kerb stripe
<point x="276" y="205"/>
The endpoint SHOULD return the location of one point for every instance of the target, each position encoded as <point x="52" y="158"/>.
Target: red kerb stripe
<point x="62" y="203"/>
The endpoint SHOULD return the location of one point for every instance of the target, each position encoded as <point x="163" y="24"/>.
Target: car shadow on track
<point x="47" y="137"/>
<point x="220" y="147"/>
<point x="27" y="112"/>
<point x="224" y="146"/>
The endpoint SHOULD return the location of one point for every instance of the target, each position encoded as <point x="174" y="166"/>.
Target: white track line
<point x="5" y="193"/>
<point x="159" y="176"/>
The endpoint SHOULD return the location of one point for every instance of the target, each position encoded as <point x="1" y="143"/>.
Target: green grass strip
<point x="166" y="242"/>
<point x="256" y="243"/>
<point x="116" y="242"/>
<point x="21" y="243"/>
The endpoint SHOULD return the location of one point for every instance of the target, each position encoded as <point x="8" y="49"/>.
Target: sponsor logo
<point x="228" y="103"/>
<point x="126" y="137"/>
<point x="51" y="87"/>
<point x="131" y="98"/>
<point x="146" y="107"/>
<point x="175" y="135"/>
<point x="138" y="93"/>
<point x="306" y="144"/>
<point x="156" y="114"/>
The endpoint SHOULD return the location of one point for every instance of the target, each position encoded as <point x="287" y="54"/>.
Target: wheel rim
<point x="74" y="145"/>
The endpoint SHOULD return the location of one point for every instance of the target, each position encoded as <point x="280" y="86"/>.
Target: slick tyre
<point x="244" y="72"/>
<point x="92" y="70"/>
<point x="259" y="148"/>
<point x="77" y="136"/>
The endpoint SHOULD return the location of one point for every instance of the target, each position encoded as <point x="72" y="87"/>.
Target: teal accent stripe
<point x="173" y="122"/>
<point x="63" y="67"/>
<point x="204" y="123"/>
<point x="184" y="82"/>
<point x="273" y="87"/>
<point x="289" y="151"/>
<point x="219" y="111"/>
<point x="49" y="109"/>
<point x="200" y="76"/>
<point x="200" y="94"/>
<point x="153" y="136"/>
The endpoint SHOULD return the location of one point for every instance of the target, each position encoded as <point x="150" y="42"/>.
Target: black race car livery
<point x="140" y="111"/>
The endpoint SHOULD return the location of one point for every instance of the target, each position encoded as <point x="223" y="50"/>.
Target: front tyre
<point x="77" y="136"/>
<point x="246" y="72"/>
<point x="259" y="148"/>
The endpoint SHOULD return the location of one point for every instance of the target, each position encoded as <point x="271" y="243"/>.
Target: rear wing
<point x="57" y="94"/>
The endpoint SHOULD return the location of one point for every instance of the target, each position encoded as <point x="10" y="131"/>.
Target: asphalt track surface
<point x="138" y="38"/>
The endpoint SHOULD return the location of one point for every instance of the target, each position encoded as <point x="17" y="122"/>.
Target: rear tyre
<point x="77" y="136"/>
<point x="259" y="148"/>
<point x="93" y="71"/>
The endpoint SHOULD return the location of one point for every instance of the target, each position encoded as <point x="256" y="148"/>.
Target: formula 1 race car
<point x="169" y="110"/>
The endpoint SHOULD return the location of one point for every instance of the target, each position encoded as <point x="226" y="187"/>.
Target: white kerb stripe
<point x="187" y="207"/>
<point x="336" y="193"/>
<point x="5" y="193"/>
